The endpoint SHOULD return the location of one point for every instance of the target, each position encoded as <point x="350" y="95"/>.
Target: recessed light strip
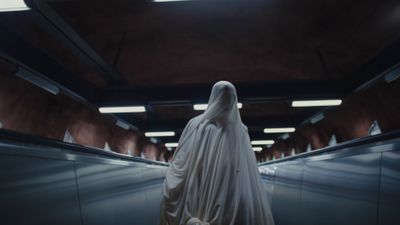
<point x="159" y="134"/>
<point x="279" y="130"/>
<point x="204" y="106"/>
<point x="123" y="109"/>
<point x="316" y="103"/>
<point x="262" y="142"/>
<point x="13" y="5"/>
<point x="171" y="145"/>
<point x="257" y="149"/>
<point x="169" y="0"/>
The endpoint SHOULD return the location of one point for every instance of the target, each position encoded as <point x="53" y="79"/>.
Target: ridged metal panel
<point x="267" y="179"/>
<point x="287" y="190"/>
<point x="389" y="211"/>
<point x="117" y="194"/>
<point x="37" y="191"/>
<point x="154" y="182"/>
<point x="42" y="185"/>
<point x="342" y="190"/>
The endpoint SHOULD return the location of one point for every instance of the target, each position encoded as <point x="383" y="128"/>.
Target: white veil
<point x="213" y="177"/>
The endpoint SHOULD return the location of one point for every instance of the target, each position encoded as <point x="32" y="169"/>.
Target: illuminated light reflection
<point x="170" y="0"/>
<point x="204" y="106"/>
<point x="257" y="149"/>
<point x="316" y="103"/>
<point x="171" y="145"/>
<point x="159" y="134"/>
<point x="262" y="142"/>
<point x="279" y="130"/>
<point x="123" y="109"/>
<point x="13" y="5"/>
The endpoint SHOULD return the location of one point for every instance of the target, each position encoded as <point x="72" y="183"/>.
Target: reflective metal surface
<point x="112" y="194"/>
<point x="154" y="183"/>
<point x="43" y="185"/>
<point x="357" y="185"/>
<point x="37" y="191"/>
<point x="267" y="178"/>
<point x="340" y="191"/>
<point x="286" y="195"/>
<point x="40" y="184"/>
<point x="389" y="209"/>
<point x="375" y="143"/>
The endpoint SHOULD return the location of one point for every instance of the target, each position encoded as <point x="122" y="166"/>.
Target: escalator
<point x="50" y="182"/>
<point x="357" y="183"/>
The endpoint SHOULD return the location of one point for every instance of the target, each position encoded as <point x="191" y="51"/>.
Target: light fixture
<point x="200" y="106"/>
<point x="279" y="130"/>
<point x="37" y="80"/>
<point x="123" y="109"/>
<point x="122" y="124"/>
<point x="316" y="103"/>
<point x="204" y="106"/>
<point x="262" y="142"/>
<point x="171" y="145"/>
<point x="169" y="0"/>
<point x="257" y="149"/>
<point x="13" y="5"/>
<point x="159" y="134"/>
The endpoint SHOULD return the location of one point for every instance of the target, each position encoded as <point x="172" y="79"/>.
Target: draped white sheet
<point x="213" y="177"/>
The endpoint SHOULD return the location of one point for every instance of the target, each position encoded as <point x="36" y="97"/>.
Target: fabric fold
<point x="213" y="178"/>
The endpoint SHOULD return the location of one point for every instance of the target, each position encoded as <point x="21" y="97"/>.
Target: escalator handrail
<point x="343" y="145"/>
<point x="7" y="135"/>
<point x="27" y="138"/>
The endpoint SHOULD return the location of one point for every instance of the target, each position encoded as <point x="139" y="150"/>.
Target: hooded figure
<point x="213" y="178"/>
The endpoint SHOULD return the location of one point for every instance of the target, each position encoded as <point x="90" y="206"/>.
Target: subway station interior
<point x="95" y="94"/>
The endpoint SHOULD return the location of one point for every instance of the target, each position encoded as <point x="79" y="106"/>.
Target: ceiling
<point x="203" y="41"/>
<point x="168" y="55"/>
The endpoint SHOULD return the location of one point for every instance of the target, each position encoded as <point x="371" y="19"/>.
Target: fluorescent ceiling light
<point x="169" y="0"/>
<point x="200" y="106"/>
<point x="315" y="103"/>
<point x="12" y="5"/>
<point x="122" y="109"/>
<point x="204" y="106"/>
<point x="171" y="145"/>
<point x="263" y="142"/>
<point x="159" y="134"/>
<point x="279" y="130"/>
<point x="257" y="149"/>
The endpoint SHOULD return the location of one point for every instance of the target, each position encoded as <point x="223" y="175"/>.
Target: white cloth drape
<point x="213" y="177"/>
